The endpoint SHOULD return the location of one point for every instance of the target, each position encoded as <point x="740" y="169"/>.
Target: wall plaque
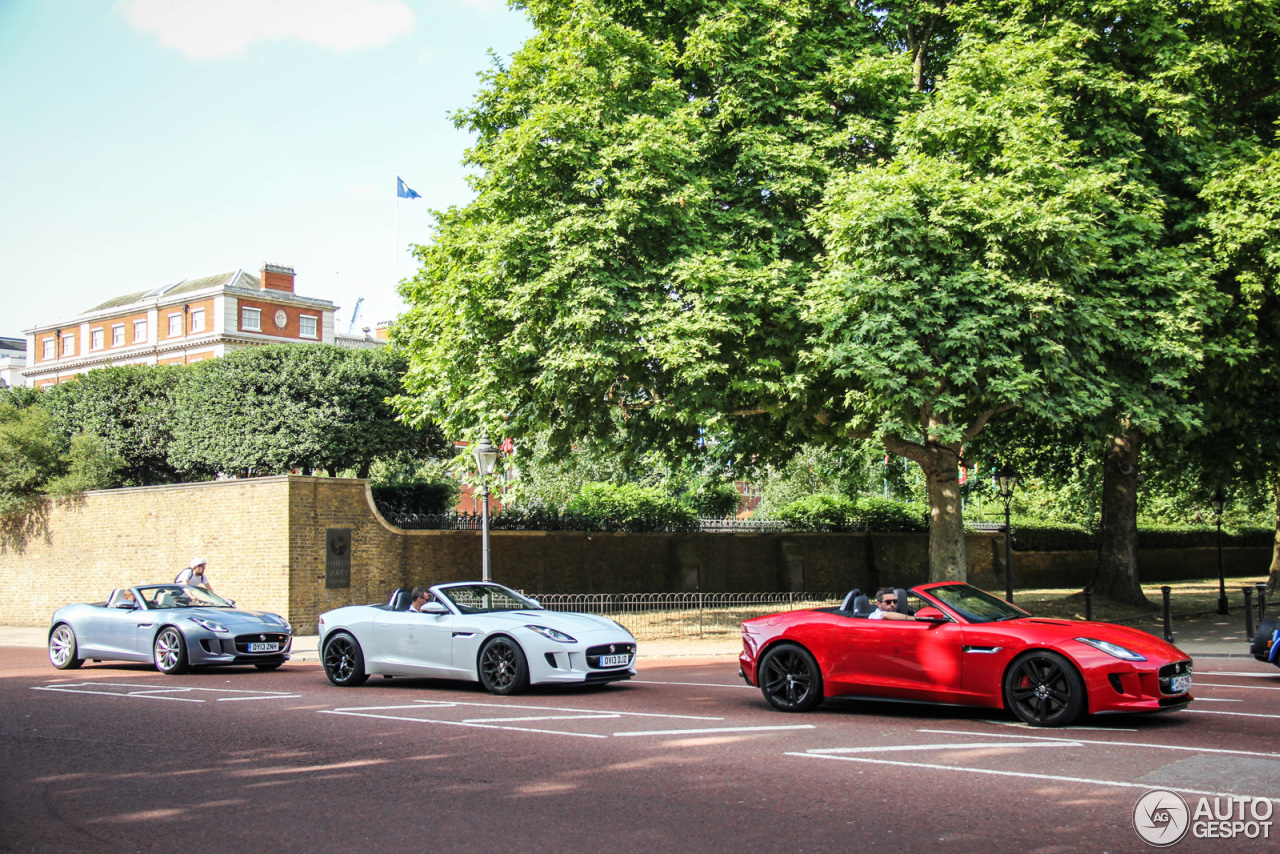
<point x="337" y="557"/>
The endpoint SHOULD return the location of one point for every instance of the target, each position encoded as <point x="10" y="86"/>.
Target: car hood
<point x="569" y="622"/>
<point x="1052" y="630"/>
<point x="233" y="618"/>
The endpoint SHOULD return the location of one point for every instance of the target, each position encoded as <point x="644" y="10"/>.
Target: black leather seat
<point x="400" y="600"/>
<point x="862" y="606"/>
<point x="902" y="607"/>
<point x="847" y="604"/>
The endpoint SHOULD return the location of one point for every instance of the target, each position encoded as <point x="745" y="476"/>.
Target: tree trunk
<point x="1273" y="580"/>
<point x="1117" y="573"/>
<point x="946" y="519"/>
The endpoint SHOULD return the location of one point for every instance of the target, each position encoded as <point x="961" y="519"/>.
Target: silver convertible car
<point x="174" y="626"/>
<point x="474" y="631"/>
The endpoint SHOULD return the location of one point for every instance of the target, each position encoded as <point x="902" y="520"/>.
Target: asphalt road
<point x="684" y="758"/>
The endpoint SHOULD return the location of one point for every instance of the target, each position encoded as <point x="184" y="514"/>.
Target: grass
<point x="1186" y="598"/>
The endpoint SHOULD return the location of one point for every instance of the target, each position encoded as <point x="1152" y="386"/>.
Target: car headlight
<point x="209" y="624"/>
<point x="552" y="634"/>
<point x="1112" y="649"/>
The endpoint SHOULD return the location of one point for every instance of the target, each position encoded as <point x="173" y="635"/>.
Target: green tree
<point x="276" y="409"/>
<point x="130" y="409"/>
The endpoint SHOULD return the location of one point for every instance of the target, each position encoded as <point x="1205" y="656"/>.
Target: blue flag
<point x="403" y="191"/>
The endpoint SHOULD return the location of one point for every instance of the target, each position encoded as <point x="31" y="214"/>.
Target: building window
<point x="117" y="335"/>
<point x="251" y="319"/>
<point x="95" y="339"/>
<point x="175" y="325"/>
<point x="139" y="331"/>
<point x="50" y="348"/>
<point x="307" y="326"/>
<point x="197" y="320"/>
<point x="68" y="345"/>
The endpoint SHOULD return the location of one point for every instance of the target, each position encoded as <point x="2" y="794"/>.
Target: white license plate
<point x="614" y="660"/>
<point x="1181" y="684"/>
<point x="264" y="647"/>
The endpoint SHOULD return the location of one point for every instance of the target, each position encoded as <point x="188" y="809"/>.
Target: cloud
<point x="205" y="29"/>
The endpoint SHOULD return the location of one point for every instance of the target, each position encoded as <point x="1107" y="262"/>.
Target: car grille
<point x="594" y="653"/>
<point x="243" y="641"/>
<point x="1169" y="671"/>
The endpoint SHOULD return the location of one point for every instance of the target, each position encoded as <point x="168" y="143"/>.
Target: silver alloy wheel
<point x="62" y="646"/>
<point x="168" y="650"/>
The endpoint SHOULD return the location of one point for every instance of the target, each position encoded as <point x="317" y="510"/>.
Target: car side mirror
<point x="931" y="615"/>
<point x="434" y="608"/>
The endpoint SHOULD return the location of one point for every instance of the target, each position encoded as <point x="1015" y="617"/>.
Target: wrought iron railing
<point x="554" y="522"/>
<point x="661" y="616"/>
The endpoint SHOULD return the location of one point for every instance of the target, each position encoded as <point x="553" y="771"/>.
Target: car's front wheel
<point x="503" y="669"/>
<point x="63" y="648"/>
<point x="1044" y="689"/>
<point x="170" y="652"/>
<point x="344" y="661"/>
<point x="790" y="678"/>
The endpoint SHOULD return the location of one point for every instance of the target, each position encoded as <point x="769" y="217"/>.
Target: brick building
<point x="184" y="322"/>
<point x="13" y="359"/>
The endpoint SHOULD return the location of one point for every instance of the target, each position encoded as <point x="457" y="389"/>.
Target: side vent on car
<point x="551" y="659"/>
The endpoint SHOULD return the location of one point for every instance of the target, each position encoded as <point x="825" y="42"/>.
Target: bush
<point x="417" y="497"/>
<point x="841" y="513"/>
<point x="819" y="513"/>
<point x="714" y="501"/>
<point x="628" y="507"/>
<point x="885" y="514"/>
<point x="1034" y="535"/>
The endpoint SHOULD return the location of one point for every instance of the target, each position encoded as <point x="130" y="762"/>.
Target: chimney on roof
<point x="277" y="278"/>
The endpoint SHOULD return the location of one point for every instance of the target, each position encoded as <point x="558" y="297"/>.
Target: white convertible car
<point x="474" y="631"/>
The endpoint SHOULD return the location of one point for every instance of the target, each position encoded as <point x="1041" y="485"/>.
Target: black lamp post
<point x="486" y="460"/>
<point x="1007" y="480"/>
<point x="1218" y="501"/>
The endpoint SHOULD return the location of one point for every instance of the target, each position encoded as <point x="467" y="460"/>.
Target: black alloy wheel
<point x="1043" y="689"/>
<point x="503" y="669"/>
<point x="343" y="661"/>
<point x="63" y="648"/>
<point x="790" y="679"/>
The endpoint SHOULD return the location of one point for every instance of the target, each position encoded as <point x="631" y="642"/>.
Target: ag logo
<point x="1161" y="818"/>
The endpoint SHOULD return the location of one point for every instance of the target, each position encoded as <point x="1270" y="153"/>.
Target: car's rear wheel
<point x="1044" y="689"/>
<point x="170" y="652"/>
<point x="275" y="665"/>
<point x="790" y="678"/>
<point x="503" y="669"/>
<point x="63" y="648"/>
<point x="344" y="661"/>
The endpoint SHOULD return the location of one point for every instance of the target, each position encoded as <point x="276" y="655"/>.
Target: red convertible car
<point x="963" y="646"/>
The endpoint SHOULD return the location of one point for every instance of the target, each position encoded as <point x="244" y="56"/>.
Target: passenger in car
<point x="886" y="602"/>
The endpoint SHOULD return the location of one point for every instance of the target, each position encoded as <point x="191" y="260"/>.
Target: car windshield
<point x="483" y="598"/>
<point x="180" y="596"/>
<point x="975" y="605"/>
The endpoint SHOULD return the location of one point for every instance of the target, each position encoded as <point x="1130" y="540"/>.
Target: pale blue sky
<point x="147" y="141"/>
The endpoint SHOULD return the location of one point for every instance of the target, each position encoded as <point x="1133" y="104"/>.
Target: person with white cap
<point x="194" y="575"/>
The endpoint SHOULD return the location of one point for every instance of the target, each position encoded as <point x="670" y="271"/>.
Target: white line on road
<point x="691" y="684"/>
<point x="1240" y="673"/>
<point x="272" y="697"/>
<point x="541" y="718"/>
<point x="139" y="695"/>
<point x="1027" y="775"/>
<point x="1107" y="743"/>
<point x="1237" y="714"/>
<point x="1216" y="700"/>
<point x="449" y="703"/>
<point x="715" y="729"/>
<point x="973" y="745"/>
<point x="1238" y="687"/>
<point x="455" y="723"/>
<point x="152" y="692"/>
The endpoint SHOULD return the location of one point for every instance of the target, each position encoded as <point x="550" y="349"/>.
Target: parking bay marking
<point x="587" y="714"/>
<point x="1082" y="741"/>
<point x="151" y="692"/>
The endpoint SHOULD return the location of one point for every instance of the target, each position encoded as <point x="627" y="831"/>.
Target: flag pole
<point x="397" y="281"/>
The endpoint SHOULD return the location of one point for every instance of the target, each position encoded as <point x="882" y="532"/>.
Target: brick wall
<point x="265" y="540"/>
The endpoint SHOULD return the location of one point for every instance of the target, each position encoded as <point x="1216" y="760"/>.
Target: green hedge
<point x="629" y="507"/>
<point x="841" y="513"/>
<point x="1031" y="535"/>
<point x="416" y="498"/>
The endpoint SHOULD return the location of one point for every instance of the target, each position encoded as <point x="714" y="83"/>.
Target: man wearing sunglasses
<point x="886" y="603"/>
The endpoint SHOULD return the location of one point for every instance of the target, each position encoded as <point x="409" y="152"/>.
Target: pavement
<point x="1200" y="636"/>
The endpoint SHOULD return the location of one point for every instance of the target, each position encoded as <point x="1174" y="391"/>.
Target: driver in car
<point x="886" y="602"/>
<point x="420" y="598"/>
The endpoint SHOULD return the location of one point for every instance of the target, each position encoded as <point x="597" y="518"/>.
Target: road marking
<point x="455" y="723"/>
<point x="1021" y="725"/>
<point x="1107" y="743"/>
<point x="1241" y="673"/>
<point x="1216" y="700"/>
<point x="287" y="696"/>
<point x="1237" y="714"/>
<point x="973" y="745"/>
<point x="600" y="717"/>
<point x="152" y="692"/>
<point x="1027" y="775"/>
<point x="444" y="704"/>
<point x="690" y="684"/>
<point x="1237" y="687"/>
<point x="714" y="729"/>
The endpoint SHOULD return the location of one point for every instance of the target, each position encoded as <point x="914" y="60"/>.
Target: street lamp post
<point x="1218" y="501"/>
<point x="1007" y="479"/>
<point x="486" y="460"/>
